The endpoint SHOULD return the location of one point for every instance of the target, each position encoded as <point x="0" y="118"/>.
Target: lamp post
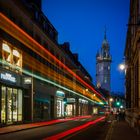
<point x="110" y="103"/>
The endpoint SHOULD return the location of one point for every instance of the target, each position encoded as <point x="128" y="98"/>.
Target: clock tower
<point x="103" y="65"/>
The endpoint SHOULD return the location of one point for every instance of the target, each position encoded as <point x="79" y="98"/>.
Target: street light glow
<point x="121" y="106"/>
<point x="111" y="99"/>
<point x="122" y="67"/>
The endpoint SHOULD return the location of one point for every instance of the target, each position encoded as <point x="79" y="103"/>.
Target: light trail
<point x="73" y="130"/>
<point x="22" y="36"/>
<point x="59" y="120"/>
<point x="51" y="82"/>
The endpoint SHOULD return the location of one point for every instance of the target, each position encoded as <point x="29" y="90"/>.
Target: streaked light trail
<point x="28" y="41"/>
<point x="73" y="130"/>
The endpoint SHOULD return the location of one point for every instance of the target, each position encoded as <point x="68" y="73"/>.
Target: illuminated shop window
<point x="19" y="105"/>
<point x="3" y="105"/>
<point x="16" y="58"/>
<point x="15" y="104"/>
<point x="11" y="105"/>
<point x="69" y="109"/>
<point x="12" y="56"/>
<point x="6" y="51"/>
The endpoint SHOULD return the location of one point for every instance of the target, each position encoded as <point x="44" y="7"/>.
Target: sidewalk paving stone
<point x="122" y="131"/>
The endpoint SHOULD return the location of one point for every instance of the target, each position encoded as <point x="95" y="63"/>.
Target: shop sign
<point x="27" y="80"/>
<point x="60" y="93"/>
<point x="83" y="101"/>
<point x="8" y="77"/>
<point x="70" y="100"/>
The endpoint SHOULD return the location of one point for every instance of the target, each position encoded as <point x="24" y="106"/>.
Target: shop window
<point x="6" y="52"/>
<point x="15" y="105"/>
<point x="3" y="105"/>
<point x="19" y="105"/>
<point x="11" y="56"/>
<point x="11" y="105"/>
<point x="17" y="58"/>
<point x="69" y="109"/>
<point x="60" y="108"/>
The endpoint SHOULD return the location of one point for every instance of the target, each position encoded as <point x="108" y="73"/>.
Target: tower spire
<point x="105" y="33"/>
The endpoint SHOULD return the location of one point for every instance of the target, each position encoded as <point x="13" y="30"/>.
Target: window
<point x="36" y="15"/>
<point x="19" y="105"/>
<point x="16" y="58"/>
<point x="6" y="52"/>
<point x="11" y="55"/>
<point x="105" y="79"/>
<point x="100" y="68"/>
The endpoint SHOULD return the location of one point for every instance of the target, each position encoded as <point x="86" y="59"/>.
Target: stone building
<point x="103" y="65"/>
<point x="39" y="78"/>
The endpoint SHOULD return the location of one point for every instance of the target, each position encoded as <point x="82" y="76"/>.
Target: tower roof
<point x="105" y="43"/>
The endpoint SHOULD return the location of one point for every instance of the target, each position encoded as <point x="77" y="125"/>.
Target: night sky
<point x="82" y="24"/>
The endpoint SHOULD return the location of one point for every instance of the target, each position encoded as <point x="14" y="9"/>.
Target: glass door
<point x="69" y="109"/>
<point x="59" y="108"/>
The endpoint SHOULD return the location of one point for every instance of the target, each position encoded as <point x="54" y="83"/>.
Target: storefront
<point x="11" y="97"/>
<point x="70" y="107"/>
<point x="41" y="109"/>
<point x="11" y="104"/>
<point x="83" y="107"/>
<point x="95" y="111"/>
<point x="60" y="104"/>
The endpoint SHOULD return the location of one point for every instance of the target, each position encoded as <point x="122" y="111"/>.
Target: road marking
<point x="110" y="131"/>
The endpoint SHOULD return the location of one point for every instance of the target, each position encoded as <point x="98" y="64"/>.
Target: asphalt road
<point x="94" y="132"/>
<point x="46" y="131"/>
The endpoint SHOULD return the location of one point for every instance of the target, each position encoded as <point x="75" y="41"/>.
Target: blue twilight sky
<point x="82" y="23"/>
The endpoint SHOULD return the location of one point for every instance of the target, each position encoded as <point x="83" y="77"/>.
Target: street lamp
<point x="121" y="106"/>
<point x="111" y="99"/>
<point x="110" y="103"/>
<point x="122" y="67"/>
<point x="86" y="90"/>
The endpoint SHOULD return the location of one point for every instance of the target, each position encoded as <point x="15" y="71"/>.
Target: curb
<point x="28" y="128"/>
<point x="110" y="131"/>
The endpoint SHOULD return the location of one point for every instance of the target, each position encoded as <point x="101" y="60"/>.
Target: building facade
<point x="132" y="62"/>
<point x="39" y="78"/>
<point x="132" y="56"/>
<point x="103" y="66"/>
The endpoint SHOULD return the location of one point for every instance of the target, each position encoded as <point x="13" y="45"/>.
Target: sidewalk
<point x="120" y="130"/>
<point x="15" y="128"/>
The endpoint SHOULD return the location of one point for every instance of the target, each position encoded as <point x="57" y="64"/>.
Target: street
<point x="97" y="131"/>
<point x="69" y="70"/>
